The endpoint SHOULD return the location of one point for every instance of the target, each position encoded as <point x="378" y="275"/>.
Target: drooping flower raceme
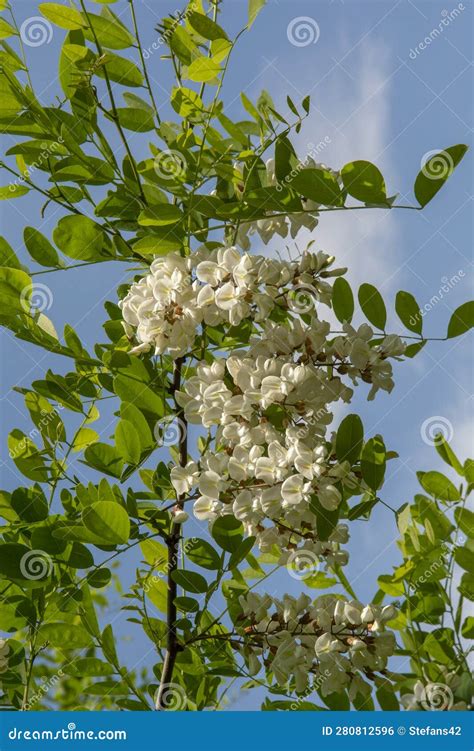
<point x="265" y="406"/>
<point x="329" y="643"/>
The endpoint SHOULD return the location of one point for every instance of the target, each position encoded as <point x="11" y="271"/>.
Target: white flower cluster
<point x="328" y="643"/>
<point x="266" y="471"/>
<point x="165" y="308"/>
<point x="270" y="417"/>
<point x="267" y="405"/>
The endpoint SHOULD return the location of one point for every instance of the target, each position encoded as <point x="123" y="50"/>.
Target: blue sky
<point x="375" y="95"/>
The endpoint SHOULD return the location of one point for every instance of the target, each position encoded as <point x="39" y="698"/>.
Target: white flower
<point x="206" y="509"/>
<point x="292" y="489"/>
<point x="183" y="478"/>
<point x="329" y="497"/>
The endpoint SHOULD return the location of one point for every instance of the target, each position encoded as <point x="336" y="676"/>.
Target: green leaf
<point x="468" y="627"/>
<point x="464" y="557"/>
<point x="438" y="645"/>
<point x="6" y="30"/>
<point x="466" y="587"/>
<point x="182" y="45"/>
<point x="155" y="554"/>
<point x="190" y="581"/>
<point x="8" y="256"/>
<point x="99" y="578"/>
<point x="319" y="185"/>
<point x="160" y="215"/>
<point x="439" y="486"/>
<point x="157" y="591"/>
<point x="64" y="636"/>
<point x="465" y="520"/>
<point x="104" y="458"/>
<point x="127" y="442"/>
<point x="202" y="554"/>
<point x="15" y="290"/>
<point x="342" y="300"/>
<point x="120" y="70"/>
<point x="26" y="456"/>
<point x="227" y="531"/>
<point x="13" y="191"/>
<point x="186" y="604"/>
<point x="84" y="437"/>
<point x="285" y="157"/>
<point x="436" y="171"/>
<point x="389" y="586"/>
<point x="447" y="454"/>
<point x="107" y="520"/>
<point x="373" y="462"/>
<point x="39" y="247"/>
<point x="187" y="103"/>
<point x="139" y="394"/>
<point x="136" y="119"/>
<point x="205" y="26"/>
<point x="373" y="306"/>
<point x="409" y="311"/>
<point x="461" y="320"/>
<point x="241" y="552"/>
<point x="387" y="698"/>
<point x="62" y="15"/>
<point x="154" y="245"/>
<point x="326" y="521"/>
<point x="349" y="439"/>
<point x="364" y="181"/>
<point x="88" y="666"/>
<point x="81" y="238"/>
<point x="254" y="8"/>
<point x="109" y="31"/>
<point x="132" y="414"/>
<point x="30" y="504"/>
<point x="203" y="69"/>
<point x="18" y="562"/>
<point x="319" y="580"/>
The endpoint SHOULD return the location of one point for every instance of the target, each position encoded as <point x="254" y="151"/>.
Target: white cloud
<point x="356" y="115"/>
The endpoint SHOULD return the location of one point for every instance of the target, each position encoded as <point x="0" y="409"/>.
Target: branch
<point x="172" y="645"/>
